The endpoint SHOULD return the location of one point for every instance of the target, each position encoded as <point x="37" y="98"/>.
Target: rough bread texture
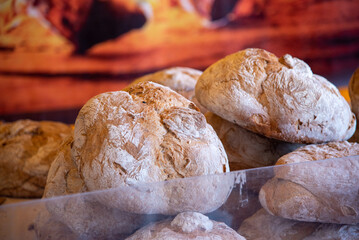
<point x="278" y="98"/>
<point x="187" y="225"/>
<point x="263" y="226"/>
<point x="82" y="214"/>
<point x="323" y="191"/>
<point x="27" y="149"/>
<point x="180" y="79"/>
<point x="148" y="134"/>
<point x="354" y="98"/>
<point x="246" y="149"/>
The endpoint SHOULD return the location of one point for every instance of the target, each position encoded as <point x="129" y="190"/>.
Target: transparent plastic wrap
<point x="233" y="197"/>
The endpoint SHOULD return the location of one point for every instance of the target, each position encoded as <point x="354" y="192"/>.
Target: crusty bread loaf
<point x="323" y="191"/>
<point x="278" y="98"/>
<point x="263" y="226"/>
<point x="180" y="79"/>
<point x="186" y="225"/>
<point x="246" y="149"/>
<point x="148" y="134"/>
<point x="27" y="148"/>
<point x="82" y="214"/>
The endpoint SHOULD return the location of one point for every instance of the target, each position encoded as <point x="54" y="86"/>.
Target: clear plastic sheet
<point x="228" y="198"/>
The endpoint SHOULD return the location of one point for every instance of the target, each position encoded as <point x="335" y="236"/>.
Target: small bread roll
<point x="278" y="98"/>
<point x="246" y="149"/>
<point x="263" y="226"/>
<point x="27" y="149"/>
<point x="149" y="134"/>
<point x="324" y="191"/>
<point x="187" y="225"/>
<point x="180" y="79"/>
<point x="82" y="214"/>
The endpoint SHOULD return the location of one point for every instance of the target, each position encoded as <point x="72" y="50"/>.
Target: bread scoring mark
<point x="119" y="166"/>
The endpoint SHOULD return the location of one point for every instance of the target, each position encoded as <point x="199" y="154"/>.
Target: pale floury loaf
<point x="187" y="225"/>
<point x="27" y="149"/>
<point x="263" y="226"/>
<point x="148" y="134"/>
<point x="277" y="97"/>
<point x="246" y="149"/>
<point x="321" y="191"/>
<point x="180" y="79"/>
<point x="82" y="215"/>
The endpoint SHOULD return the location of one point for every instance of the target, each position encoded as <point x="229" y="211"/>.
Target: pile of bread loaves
<point x="249" y="109"/>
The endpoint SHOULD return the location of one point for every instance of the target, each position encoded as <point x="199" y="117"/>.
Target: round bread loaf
<point x="278" y="98"/>
<point x="148" y="134"/>
<point x="246" y="149"/>
<point x="27" y="149"/>
<point x="322" y="191"/>
<point x="82" y="214"/>
<point x="180" y="79"/>
<point x="263" y="226"/>
<point x="187" y="225"/>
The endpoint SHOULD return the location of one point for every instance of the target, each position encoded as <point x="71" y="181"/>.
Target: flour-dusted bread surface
<point x="27" y="149"/>
<point x="246" y="149"/>
<point x="263" y="226"/>
<point x="322" y="191"/>
<point x="148" y="134"/>
<point x="180" y="79"/>
<point x="276" y="97"/>
<point x="187" y="225"/>
<point x="84" y="215"/>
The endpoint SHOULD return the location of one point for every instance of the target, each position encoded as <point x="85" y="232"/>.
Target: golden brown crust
<point x="278" y="98"/>
<point x="27" y="148"/>
<point x="180" y="79"/>
<point x="147" y="134"/>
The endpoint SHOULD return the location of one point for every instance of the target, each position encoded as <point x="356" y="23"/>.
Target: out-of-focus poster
<point x="56" y="54"/>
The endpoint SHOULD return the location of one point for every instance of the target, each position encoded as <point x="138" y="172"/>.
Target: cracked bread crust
<point x="27" y="149"/>
<point x="79" y="211"/>
<point x="325" y="191"/>
<point x="148" y="134"/>
<point x="276" y="97"/>
<point x="180" y="79"/>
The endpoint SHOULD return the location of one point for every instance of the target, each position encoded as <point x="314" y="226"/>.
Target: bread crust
<point x="83" y="215"/>
<point x="246" y="149"/>
<point x="27" y="149"/>
<point x="278" y="98"/>
<point x="187" y="225"/>
<point x="263" y="226"/>
<point x="180" y="79"/>
<point x="148" y="134"/>
<point x="324" y="191"/>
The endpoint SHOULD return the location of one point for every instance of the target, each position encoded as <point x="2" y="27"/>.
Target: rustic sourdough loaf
<point x="27" y="149"/>
<point x="180" y="79"/>
<point x="246" y="149"/>
<point x="354" y="99"/>
<point x="149" y="134"/>
<point x="83" y="215"/>
<point x="263" y="226"/>
<point x="276" y="97"/>
<point x="187" y="225"/>
<point x="323" y="191"/>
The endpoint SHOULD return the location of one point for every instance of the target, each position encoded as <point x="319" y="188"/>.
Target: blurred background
<point x="57" y="54"/>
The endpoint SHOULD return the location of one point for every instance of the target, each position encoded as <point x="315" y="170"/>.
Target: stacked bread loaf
<point x="260" y="108"/>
